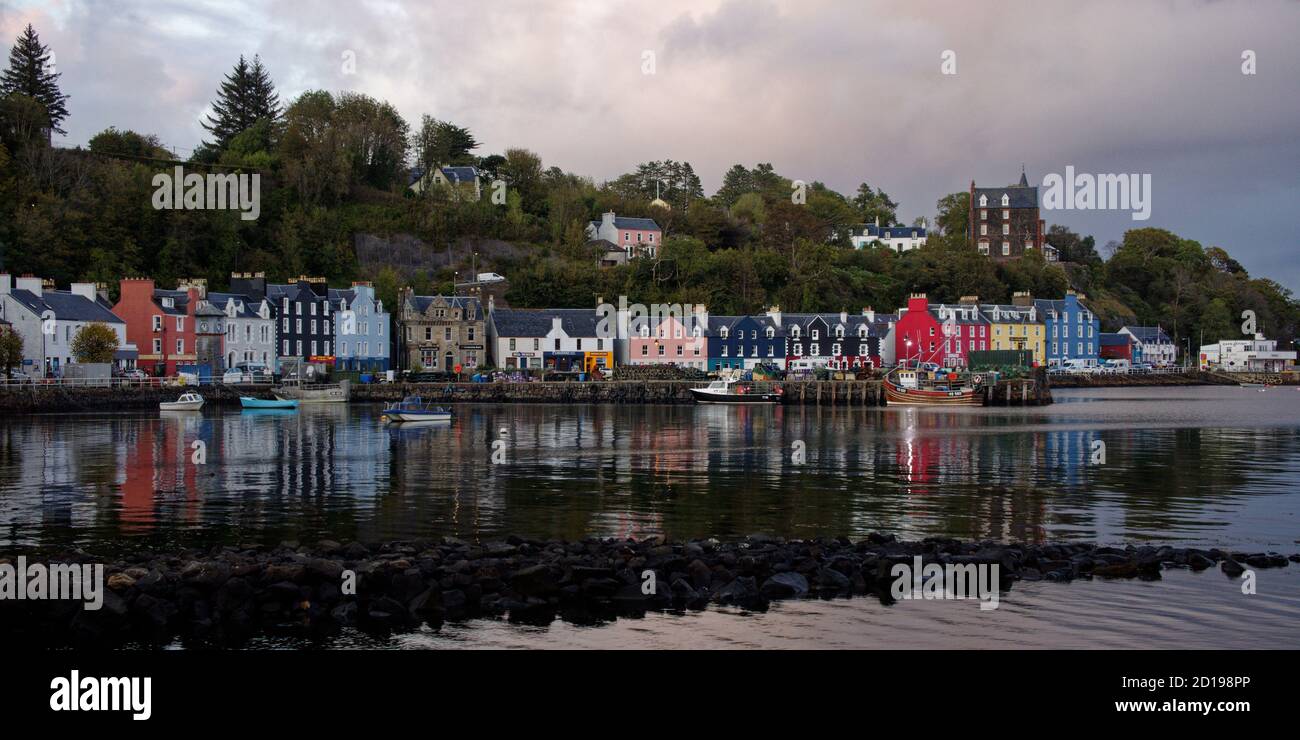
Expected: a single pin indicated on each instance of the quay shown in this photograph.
(55, 398)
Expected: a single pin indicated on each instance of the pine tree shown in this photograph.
(30, 73)
(246, 96)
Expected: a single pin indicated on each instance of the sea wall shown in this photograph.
(38, 398)
(1137, 380)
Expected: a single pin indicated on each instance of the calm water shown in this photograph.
(1204, 466)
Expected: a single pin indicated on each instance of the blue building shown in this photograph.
(362, 329)
(741, 342)
(1073, 332)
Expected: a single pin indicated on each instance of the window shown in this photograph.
(1006, 214)
(679, 350)
(157, 323)
(661, 350)
(157, 346)
(722, 332)
(299, 325)
(286, 306)
(815, 334)
(180, 346)
(446, 334)
(512, 345)
(180, 323)
(984, 214)
(557, 344)
(285, 350)
(814, 349)
(313, 325)
(469, 336)
(1006, 229)
(1006, 248)
(724, 350)
(313, 345)
(313, 308)
(298, 346)
(984, 229)
(1006, 199)
(343, 348)
(984, 200)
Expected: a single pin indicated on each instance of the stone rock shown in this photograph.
(785, 586)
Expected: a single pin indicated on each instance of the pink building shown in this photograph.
(639, 237)
(669, 341)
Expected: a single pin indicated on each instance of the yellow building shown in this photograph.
(1017, 326)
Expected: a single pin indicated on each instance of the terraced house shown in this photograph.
(1017, 326)
(305, 328)
(361, 329)
(48, 320)
(563, 339)
(1073, 332)
(741, 342)
(840, 341)
(438, 333)
(250, 329)
(161, 324)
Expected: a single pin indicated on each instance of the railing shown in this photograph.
(150, 382)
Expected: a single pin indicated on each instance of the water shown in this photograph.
(1204, 466)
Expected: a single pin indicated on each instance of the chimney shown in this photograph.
(6, 283)
(198, 284)
(844, 317)
(556, 324)
(775, 314)
(870, 314)
(85, 290)
(607, 219)
(1022, 298)
(969, 300)
(30, 283)
(918, 302)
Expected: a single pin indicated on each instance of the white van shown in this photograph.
(1079, 366)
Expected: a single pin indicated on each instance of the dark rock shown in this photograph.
(785, 586)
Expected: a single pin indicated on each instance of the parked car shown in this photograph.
(134, 373)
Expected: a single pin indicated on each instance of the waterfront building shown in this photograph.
(965, 328)
(918, 336)
(1073, 331)
(48, 320)
(161, 323)
(1004, 222)
(1258, 355)
(209, 339)
(305, 323)
(565, 339)
(1118, 346)
(362, 330)
(1156, 346)
(637, 237)
(1017, 326)
(840, 341)
(250, 329)
(668, 340)
(436, 333)
(742, 342)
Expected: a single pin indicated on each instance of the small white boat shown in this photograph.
(415, 409)
(187, 402)
(732, 391)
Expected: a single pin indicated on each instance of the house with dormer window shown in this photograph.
(437, 333)
(361, 329)
(1004, 222)
(637, 237)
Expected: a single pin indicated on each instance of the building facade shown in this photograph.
(743, 342)
(48, 320)
(1017, 326)
(1004, 222)
(438, 333)
(897, 238)
(638, 237)
(161, 324)
(1073, 331)
(1246, 355)
(1154, 345)
(563, 339)
(305, 323)
(362, 329)
(250, 330)
(668, 340)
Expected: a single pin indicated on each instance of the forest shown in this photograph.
(335, 168)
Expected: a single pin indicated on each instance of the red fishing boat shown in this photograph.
(925, 388)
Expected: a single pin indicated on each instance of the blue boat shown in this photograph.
(414, 408)
(263, 403)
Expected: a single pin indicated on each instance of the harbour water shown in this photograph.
(1201, 466)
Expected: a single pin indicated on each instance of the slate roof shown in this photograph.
(1019, 314)
(246, 306)
(576, 322)
(627, 222)
(1045, 305)
(421, 303)
(180, 299)
(1148, 334)
(460, 174)
(1022, 195)
(965, 314)
(1114, 339)
(66, 305)
(904, 232)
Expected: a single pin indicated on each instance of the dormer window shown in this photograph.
(722, 332)
(770, 332)
(984, 200)
(169, 303)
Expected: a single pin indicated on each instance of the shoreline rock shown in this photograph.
(227, 595)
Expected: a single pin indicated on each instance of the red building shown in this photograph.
(1116, 346)
(918, 336)
(160, 323)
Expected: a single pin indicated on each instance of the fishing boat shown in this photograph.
(249, 402)
(414, 408)
(187, 402)
(730, 390)
(294, 390)
(906, 387)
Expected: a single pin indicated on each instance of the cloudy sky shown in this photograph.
(841, 91)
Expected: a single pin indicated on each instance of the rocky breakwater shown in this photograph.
(227, 595)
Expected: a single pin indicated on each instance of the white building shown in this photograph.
(897, 238)
(1258, 355)
(1154, 344)
(250, 329)
(48, 320)
(557, 338)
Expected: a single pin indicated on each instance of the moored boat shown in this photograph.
(313, 393)
(187, 402)
(414, 408)
(733, 391)
(249, 402)
(919, 388)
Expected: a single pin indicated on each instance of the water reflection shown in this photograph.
(1209, 466)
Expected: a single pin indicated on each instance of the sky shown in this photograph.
(837, 91)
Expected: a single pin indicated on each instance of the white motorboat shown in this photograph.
(733, 391)
(190, 401)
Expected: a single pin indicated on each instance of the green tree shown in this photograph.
(113, 141)
(30, 73)
(11, 350)
(94, 343)
(246, 96)
(875, 205)
(442, 143)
